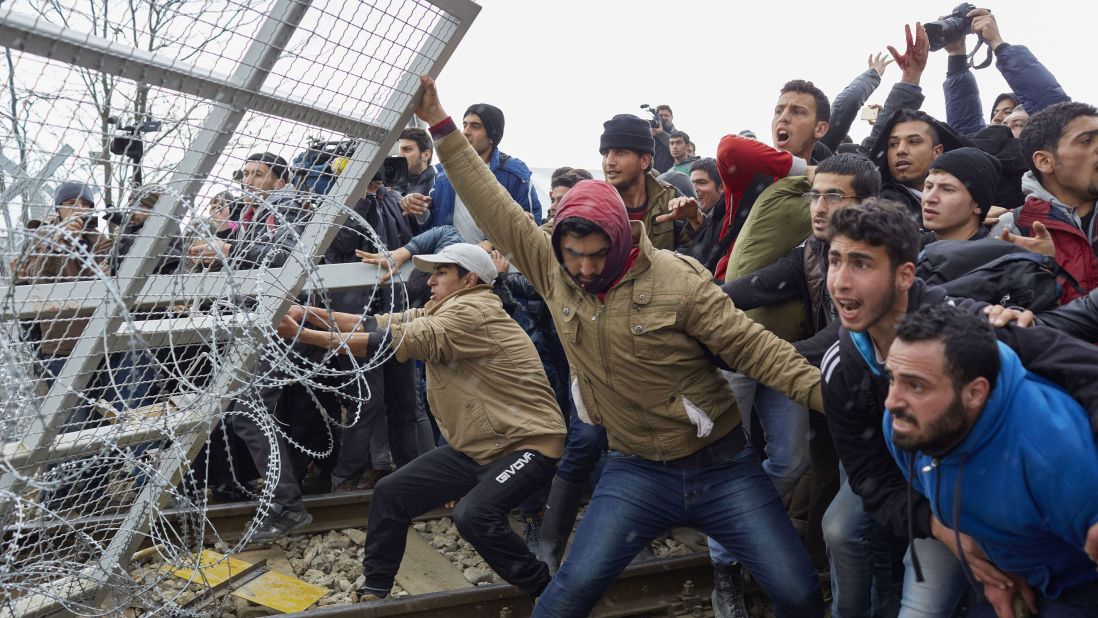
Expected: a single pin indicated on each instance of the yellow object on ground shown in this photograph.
(278, 591)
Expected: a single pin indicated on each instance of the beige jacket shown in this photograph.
(637, 360)
(485, 381)
(45, 260)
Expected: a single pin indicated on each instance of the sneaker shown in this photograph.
(370, 594)
(531, 531)
(278, 523)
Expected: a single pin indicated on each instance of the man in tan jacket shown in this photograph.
(489, 393)
(640, 326)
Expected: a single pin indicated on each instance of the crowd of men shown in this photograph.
(865, 371)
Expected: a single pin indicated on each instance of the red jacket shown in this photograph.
(739, 161)
(1074, 251)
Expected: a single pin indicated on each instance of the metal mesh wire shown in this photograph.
(138, 324)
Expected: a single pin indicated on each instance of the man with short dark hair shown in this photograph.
(793, 439)
(483, 126)
(958, 193)
(910, 140)
(680, 153)
(969, 425)
(748, 166)
(416, 147)
(560, 183)
(1060, 144)
(871, 278)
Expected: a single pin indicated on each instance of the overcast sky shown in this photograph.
(559, 69)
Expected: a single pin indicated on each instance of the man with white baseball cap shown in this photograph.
(489, 393)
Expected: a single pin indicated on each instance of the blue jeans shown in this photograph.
(582, 450)
(785, 425)
(944, 582)
(636, 500)
(861, 567)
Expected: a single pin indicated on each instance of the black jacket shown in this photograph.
(855, 391)
(878, 153)
(1079, 318)
(706, 246)
(382, 213)
(786, 279)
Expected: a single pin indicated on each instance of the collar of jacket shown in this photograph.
(476, 289)
(653, 188)
(1032, 188)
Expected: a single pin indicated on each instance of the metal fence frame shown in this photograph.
(231, 99)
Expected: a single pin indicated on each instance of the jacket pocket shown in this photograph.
(583, 397)
(650, 331)
(479, 418)
(568, 324)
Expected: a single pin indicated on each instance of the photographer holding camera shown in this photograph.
(1033, 85)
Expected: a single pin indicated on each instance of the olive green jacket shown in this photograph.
(778, 222)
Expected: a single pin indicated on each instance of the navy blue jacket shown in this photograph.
(1035, 87)
(1024, 481)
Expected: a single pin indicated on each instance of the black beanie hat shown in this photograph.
(628, 132)
(978, 170)
(492, 119)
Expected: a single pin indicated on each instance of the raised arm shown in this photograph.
(1034, 85)
(845, 107)
(502, 220)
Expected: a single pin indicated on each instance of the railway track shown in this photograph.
(674, 586)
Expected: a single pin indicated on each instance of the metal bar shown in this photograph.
(33, 35)
(24, 302)
(273, 36)
(89, 441)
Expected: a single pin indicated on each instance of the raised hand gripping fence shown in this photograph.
(131, 331)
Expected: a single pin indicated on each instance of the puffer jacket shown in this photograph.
(637, 358)
(45, 260)
(485, 382)
(1076, 248)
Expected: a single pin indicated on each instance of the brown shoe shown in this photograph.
(370, 479)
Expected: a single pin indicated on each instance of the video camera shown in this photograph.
(128, 141)
(655, 121)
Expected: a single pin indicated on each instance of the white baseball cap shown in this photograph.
(470, 257)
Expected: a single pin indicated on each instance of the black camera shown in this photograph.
(655, 121)
(953, 28)
(393, 170)
(128, 140)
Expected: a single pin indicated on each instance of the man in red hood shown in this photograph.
(637, 325)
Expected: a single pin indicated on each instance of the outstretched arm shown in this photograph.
(503, 221)
(844, 109)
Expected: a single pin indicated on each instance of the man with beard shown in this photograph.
(1060, 144)
(635, 323)
(1008, 457)
(871, 278)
